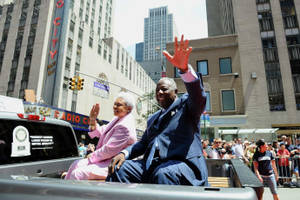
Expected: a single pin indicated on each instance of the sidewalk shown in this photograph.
(284, 194)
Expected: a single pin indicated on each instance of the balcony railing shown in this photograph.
(294, 52)
(290, 22)
(296, 82)
(270, 54)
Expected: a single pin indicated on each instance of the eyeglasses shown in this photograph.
(218, 142)
(119, 104)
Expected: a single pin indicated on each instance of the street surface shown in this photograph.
(284, 194)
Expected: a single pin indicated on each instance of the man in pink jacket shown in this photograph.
(113, 138)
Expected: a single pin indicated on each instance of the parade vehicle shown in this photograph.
(35, 151)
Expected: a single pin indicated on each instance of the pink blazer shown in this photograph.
(113, 138)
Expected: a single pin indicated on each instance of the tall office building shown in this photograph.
(139, 51)
(159, 29)
(44, 43)
(269, 49)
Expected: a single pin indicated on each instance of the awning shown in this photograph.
(288, 132)
(246, 131)
(228, 131)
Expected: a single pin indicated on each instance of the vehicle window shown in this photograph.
(46, 141)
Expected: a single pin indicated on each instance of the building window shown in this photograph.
(72, 25)
(72, 4)
(91, 42)
(130, 71)
(68, 63)
(70, 48)
(289, 16)
(64, 98)
(80, 35)
(74, 101)
(228, 100)
(105, 54)
(109, 58)
(77, 67)
(80, 13)
(208, 106)
(202, 67)
(78, 54)
(86, 18)
(176, 73)
(99, 49)
(225, 65)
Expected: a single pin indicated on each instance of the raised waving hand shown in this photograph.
(181, 55)
(93, 116)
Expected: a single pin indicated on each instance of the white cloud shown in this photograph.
(189, 15)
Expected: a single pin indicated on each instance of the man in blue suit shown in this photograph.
(171, 143)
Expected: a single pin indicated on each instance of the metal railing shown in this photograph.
(288, 170)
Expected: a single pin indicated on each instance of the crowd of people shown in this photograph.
(286, 152)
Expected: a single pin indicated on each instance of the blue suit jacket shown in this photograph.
(178, 132)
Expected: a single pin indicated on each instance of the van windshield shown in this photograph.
(27, 141)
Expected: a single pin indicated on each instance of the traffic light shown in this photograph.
(72, 83)
(80, 83)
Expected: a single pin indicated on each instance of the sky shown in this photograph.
(189, 16)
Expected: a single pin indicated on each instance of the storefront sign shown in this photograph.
(77, 120)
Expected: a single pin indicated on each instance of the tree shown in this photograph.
(150, 101)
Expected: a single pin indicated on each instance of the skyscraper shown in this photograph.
(159, 29)
(269, 48)
(139, 51)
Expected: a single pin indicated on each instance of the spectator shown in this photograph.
(82, 149)
(295, 154)
(298, 142)
(265, 168)
(238, 150)
(271, 149)
(228, 154)
(249, 152)
(275, 146)
(90, 148)
(283, 163)
(222, 153)
(283, 139)
(204, 148)
(289, 146)
(216, 148)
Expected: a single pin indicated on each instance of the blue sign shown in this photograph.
(101, 86)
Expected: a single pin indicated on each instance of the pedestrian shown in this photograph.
(265, 168)
(82, 149)
(238, 150)
(113, 138)
(296, 164)
(284, 165)
(171, 143)
(90, 148)
(215, 152)
(249, 152)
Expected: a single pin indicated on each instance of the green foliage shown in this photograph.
(149, 98)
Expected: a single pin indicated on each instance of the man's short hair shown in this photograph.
(281, 143)
(260, 142)
(173, 85)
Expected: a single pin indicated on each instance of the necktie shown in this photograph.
(151, 154)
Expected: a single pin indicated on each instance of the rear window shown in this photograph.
(27, 141)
